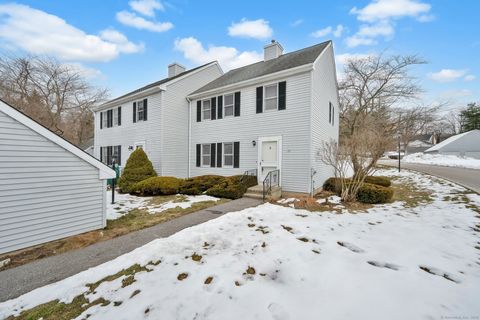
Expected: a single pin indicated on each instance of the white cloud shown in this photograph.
(455, 94)
(379, 16)
(86, 72)
(392, 9)
(367, 34)
(119, 39)
(447, 75)
(228, 57)
(337, 32)
(146, 7)
(257, 29)
(469, 77)
(132, 20)
(345, 57)
(296, 23)
(38, 32)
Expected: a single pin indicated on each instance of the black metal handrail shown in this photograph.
(272, 179)
(251, 172)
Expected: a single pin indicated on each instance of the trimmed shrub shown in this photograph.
(137, 168)
(378, 180)
(333, 185)
(232, 187)
(200, 184)
(371, 193)
(157, 186)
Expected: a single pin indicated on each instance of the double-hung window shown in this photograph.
(140, 111)
(228, 105)
(104, 119)
(107, 154)
(271, 95)
(228, 154)
(206, 110)
(206, 155)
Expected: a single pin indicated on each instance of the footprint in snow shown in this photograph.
(438, 272)
(278, 312)
(384, 265)
(350, 246)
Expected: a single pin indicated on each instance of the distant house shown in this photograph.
(87, 146)
(272, 115)
(465, 144)
(422, 142)
(49, 188)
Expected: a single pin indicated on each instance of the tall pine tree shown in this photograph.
(470, 117)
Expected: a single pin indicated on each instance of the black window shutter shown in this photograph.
(109, 155)
(237, 104)
(282, 90)
(199, 156)
(134, 112)
(119, 155)
(119, 116)
(333, 115)
(199, 111)
(212, 155)
(101, 154)
(145, 112)
(236, 154)
(101, 122)
(259, 99)
(213, 106)
(219, 155)
(220, 107)
(329, 112)
(109, 118)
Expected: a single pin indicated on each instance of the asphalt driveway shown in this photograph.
(469, 178)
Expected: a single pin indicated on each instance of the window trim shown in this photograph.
(202, 164)
(209, 110)
(229, 154)
(265, 97)
(233, 104)
(104, 119)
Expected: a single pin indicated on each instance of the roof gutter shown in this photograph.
(116, 102)
(287, 72)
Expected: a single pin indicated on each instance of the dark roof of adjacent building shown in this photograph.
(158, 83)
(261, 68)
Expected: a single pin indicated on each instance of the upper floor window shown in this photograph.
(331, 113)
(140, 110)
(206, 109)
(111, 118)
(228, 104)
(271, 95)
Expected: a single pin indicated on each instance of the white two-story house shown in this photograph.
(155, 118)
(272, 115)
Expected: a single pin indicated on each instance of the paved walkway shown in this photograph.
(17, 281)
(469, 178)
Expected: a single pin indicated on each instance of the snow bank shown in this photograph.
(391, 262)
(443, 160)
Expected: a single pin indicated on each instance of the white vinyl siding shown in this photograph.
(293, 124)
(46, 192)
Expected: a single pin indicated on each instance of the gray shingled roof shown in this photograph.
(286, 61)
(157, 83)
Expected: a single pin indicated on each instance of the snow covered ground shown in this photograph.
(276, 262)
(443, 160)
(126, 202)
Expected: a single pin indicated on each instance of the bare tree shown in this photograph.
(55, 94)
(370, 87)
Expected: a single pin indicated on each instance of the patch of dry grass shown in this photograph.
(135, 220)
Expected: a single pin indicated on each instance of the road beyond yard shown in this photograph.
(469, 178)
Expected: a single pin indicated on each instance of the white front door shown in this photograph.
(269, 156)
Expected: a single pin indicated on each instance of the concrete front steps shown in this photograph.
(256, 192)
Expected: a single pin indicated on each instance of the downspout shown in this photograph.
(189, 134)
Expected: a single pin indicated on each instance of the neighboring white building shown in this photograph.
(49, 189)
(155, 118)
(465, 144)
(273, 114)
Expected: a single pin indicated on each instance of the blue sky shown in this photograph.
(122, 45)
